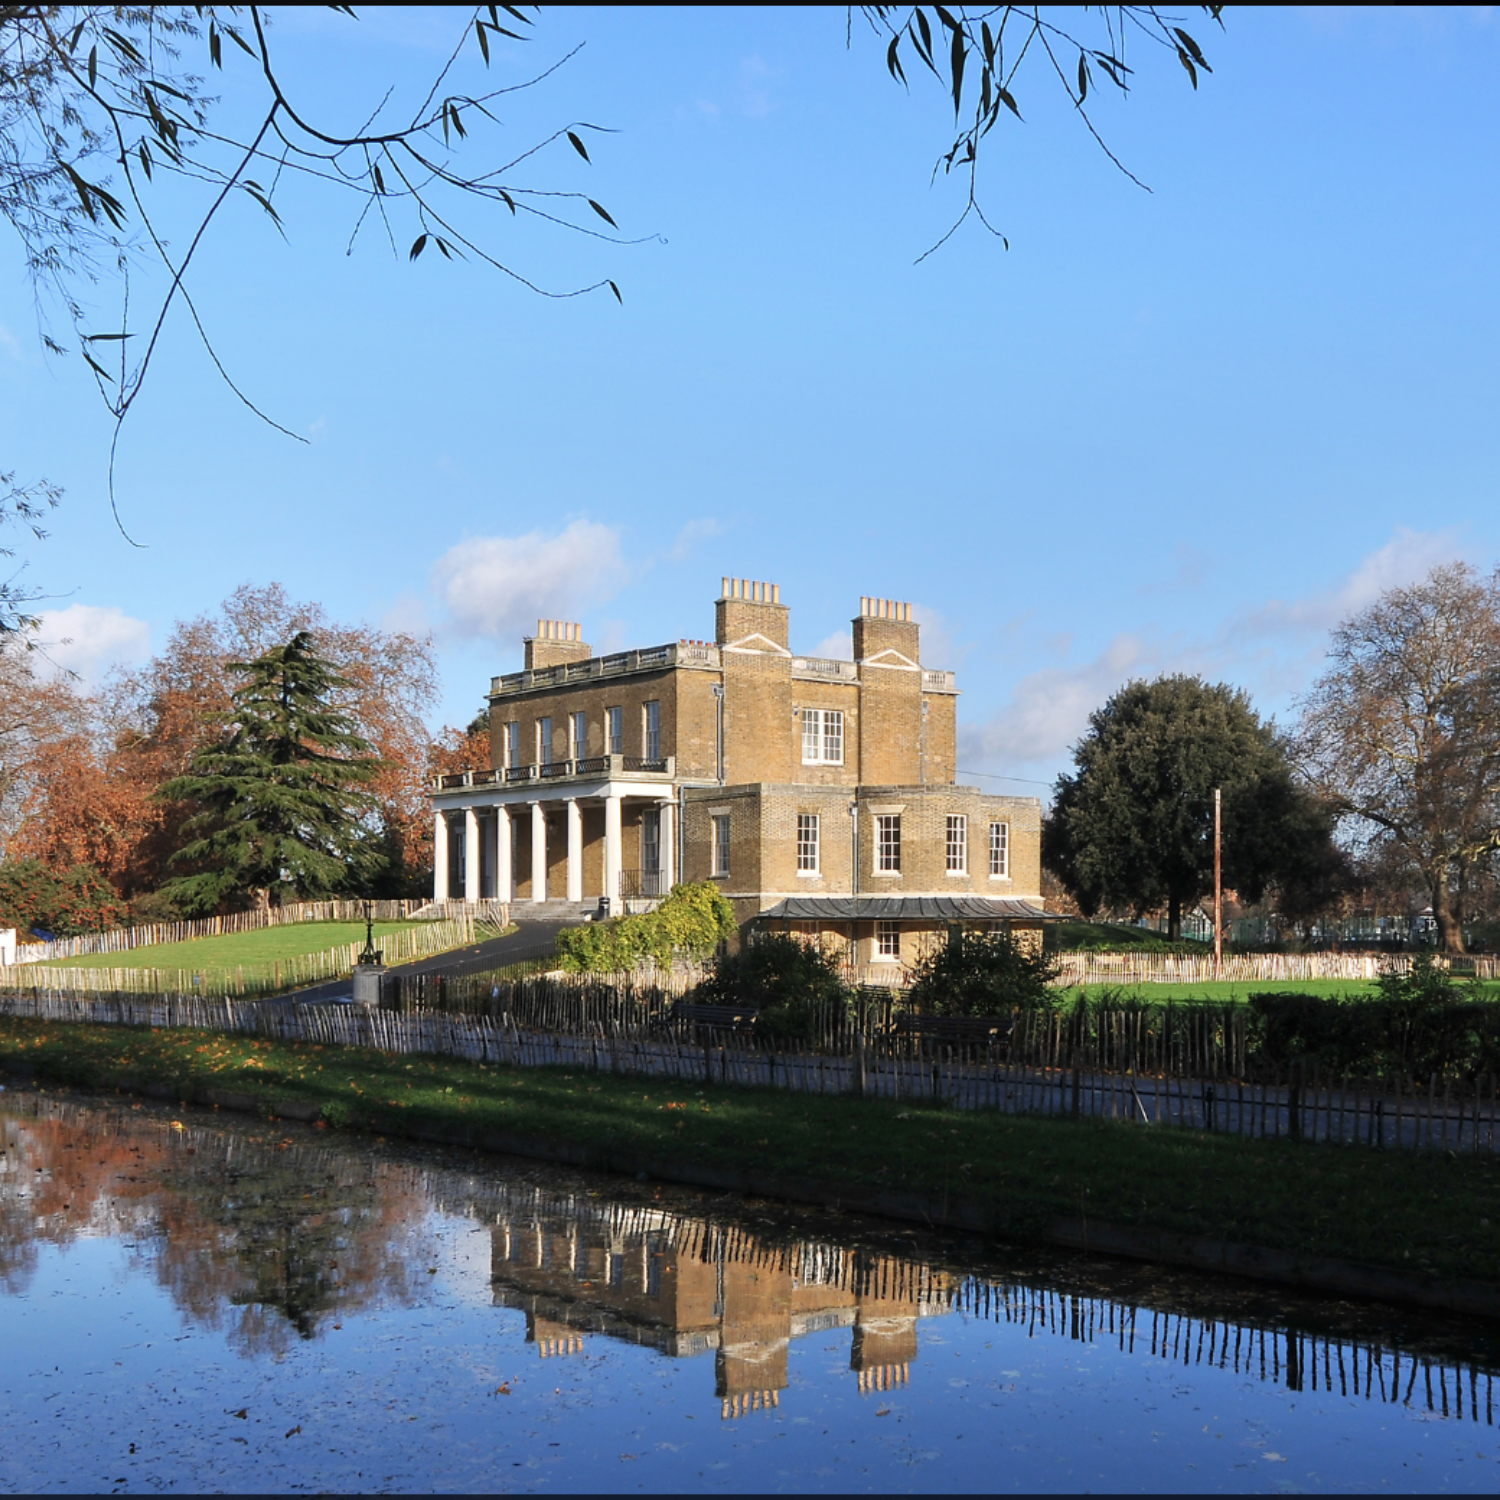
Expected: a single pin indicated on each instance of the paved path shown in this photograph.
(529, 940)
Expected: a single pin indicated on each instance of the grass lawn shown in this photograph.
(1400, 1209)
(1239, 991)
(257, 952)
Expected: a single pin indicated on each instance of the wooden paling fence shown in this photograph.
(1245, 968)
(122, 939)
(265, 979)
(1305, 1104)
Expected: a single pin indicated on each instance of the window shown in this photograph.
(651, 841)
(578, 736)
(888, 940)
(888, 843)
(544, 742)
(614, 724)
(807, 843)
(652, 750)
(958, 844)
(721, 844)
(1000, 849)
(822, 736)
(512, 744)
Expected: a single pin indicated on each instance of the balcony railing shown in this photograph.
(649, 659)
(638, 884)
(824, 666)
(593, 767)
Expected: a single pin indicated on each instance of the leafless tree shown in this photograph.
(1402, 733)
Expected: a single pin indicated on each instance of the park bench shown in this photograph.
(956, 1031)
(736, 1018)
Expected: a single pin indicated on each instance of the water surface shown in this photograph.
(190, 1301)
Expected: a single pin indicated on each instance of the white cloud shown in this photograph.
(836, 647)
(1050, 709)
(1272, 649)
(89, 639)
(691, 534)
(9, 343)
(1407, 557)
(498, 587)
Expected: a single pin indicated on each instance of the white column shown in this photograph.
(668, 812)
(440, 857)
(538, 852)
(471, 854)
(575, 850)
(504, 887)
(613, 848)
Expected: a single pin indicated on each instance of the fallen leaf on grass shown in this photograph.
(295, 1430)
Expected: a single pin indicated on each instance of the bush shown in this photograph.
(34, 898)
(690, 923)
(796, 986)
(983, 974)
(1418, 1022)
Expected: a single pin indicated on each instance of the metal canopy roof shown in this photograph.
(907, 909)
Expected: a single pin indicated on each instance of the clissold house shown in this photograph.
(820, 795)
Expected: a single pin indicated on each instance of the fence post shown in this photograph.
(1294, 1102)
(1076, 1105)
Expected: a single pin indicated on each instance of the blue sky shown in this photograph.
(1188, 429)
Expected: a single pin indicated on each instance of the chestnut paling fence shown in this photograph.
(1184, 1066)
(270, 977)
(123, 939)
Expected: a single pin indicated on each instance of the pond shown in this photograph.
(194, 1302)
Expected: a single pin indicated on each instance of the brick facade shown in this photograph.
(749, 730)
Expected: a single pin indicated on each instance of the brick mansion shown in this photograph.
(820, 795)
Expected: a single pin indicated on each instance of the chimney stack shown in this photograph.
(885, 625)
(555, 642)
(748, 607)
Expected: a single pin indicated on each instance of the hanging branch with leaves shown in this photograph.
(977, 57)
(97, 104)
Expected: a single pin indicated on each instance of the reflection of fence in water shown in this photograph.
(1300, 1361)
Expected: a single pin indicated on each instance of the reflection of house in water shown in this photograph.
(687, 1286)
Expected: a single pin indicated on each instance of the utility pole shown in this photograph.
(1218, 885)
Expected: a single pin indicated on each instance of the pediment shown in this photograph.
(756, 642)
(890, 657)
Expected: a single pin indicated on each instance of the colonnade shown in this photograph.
(508, 814)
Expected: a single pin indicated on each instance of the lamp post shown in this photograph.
(369, 967)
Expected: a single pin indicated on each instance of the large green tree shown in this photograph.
(282, 797)
(1132, 827)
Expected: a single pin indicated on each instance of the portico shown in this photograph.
(569, 830)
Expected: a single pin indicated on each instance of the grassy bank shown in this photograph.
(254, 952)
(1400, 1210)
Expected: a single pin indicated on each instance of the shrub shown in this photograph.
(78, 900)
(983, 974)
(690, 923)
(1418, 1022)
(796, 986)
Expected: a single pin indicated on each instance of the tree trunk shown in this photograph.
(1450, 927)
(1174, 919)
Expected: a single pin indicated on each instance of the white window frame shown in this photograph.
(721, 843)
(887, 946)
(544, 741)
(887, 843)
(614, 731)
(651, 730)
(651, 841)
(513, 743)
(809, 844)
(956, 845)
(999, 851)
(578, 735)
(822, 736)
